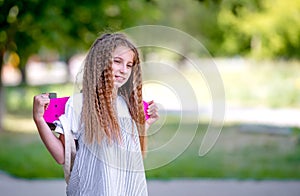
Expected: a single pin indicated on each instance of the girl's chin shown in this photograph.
(118, 85)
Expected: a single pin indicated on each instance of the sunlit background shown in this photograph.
(254, 44)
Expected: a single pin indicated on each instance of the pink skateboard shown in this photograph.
(56, 108)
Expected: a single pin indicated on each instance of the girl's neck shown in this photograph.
(115, 93)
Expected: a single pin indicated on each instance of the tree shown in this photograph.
(263, 29)
(27, 26)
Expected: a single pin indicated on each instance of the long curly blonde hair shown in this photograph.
(98, 114)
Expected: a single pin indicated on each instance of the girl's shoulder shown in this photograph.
(74, 103)
(74, 100)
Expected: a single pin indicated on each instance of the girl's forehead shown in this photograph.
(123, 51)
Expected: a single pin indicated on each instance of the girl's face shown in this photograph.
(122, 65)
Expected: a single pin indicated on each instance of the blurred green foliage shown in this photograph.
(267, 28)
(256, 28)
(260, 28)
(31, 26)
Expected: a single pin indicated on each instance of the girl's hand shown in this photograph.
(152, 111)
(40, 104)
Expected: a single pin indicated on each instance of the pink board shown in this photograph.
(56, 108)
(145, 109)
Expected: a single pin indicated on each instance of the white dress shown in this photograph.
(110, 168)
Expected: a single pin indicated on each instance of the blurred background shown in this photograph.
(254, 43)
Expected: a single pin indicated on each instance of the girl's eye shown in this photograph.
(129, 65)
(117, 61)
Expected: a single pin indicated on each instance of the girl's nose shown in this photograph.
(124, 68)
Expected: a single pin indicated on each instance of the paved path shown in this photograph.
(182, 187)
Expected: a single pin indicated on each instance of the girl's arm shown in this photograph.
(53, 144)
(152, 111)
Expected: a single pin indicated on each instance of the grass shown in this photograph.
(23, 155)
(236, 155)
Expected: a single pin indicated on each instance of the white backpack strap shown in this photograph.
(70, 148)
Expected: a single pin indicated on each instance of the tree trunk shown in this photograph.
(2, 105)
(23, 70)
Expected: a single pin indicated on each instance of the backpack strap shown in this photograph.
(70, 148)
